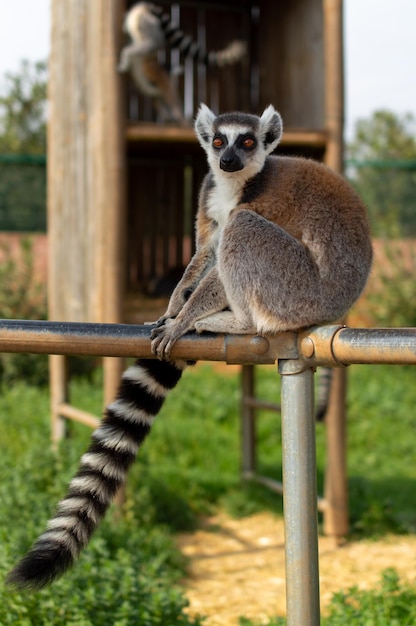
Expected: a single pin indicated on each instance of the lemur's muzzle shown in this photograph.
(230, 161)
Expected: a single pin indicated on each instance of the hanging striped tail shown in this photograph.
(176, 38)
(102, 471)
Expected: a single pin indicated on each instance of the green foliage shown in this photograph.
(392, 604)
(382, 160)
(385, 135)
(391, 300)
(126, 578)
(130, 573)
(381, 439)
(21, 297)
(22, 193)
(23, 110)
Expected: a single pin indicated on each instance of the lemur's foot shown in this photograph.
(224, 322)
(164, 338)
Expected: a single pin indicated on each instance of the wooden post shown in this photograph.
(334, 84)
(109, 151)
(86, 169)
(336, 493)
(59, 395)
(248, 422)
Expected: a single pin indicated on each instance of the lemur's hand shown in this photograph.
(165, 335)
(160, 322)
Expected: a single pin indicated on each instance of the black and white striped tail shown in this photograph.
(176, 38)
(103, 469)
(323, 391)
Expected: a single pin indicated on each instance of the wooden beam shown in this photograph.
(141, 133)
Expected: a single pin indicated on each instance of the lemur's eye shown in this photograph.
(248, 142)
(218, 142)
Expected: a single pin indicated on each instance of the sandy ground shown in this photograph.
(236, 567)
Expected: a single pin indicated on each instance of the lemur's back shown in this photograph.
(302, 192)
(317, 206)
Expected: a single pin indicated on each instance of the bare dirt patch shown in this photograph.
(236, 567)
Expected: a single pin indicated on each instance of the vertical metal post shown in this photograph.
(300, 494)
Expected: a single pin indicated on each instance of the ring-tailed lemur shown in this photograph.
(151, 30)
(282, 243)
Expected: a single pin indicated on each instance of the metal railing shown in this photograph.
(297, 355)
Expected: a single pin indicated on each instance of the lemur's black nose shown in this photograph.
(230, 161)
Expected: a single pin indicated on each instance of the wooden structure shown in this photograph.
(123, 187)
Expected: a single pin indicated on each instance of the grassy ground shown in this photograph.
(188, 467)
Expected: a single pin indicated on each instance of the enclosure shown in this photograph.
(122, 186)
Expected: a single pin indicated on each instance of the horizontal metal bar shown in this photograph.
(322, 345)
(130, 340)
(339, 345)
(376, 345)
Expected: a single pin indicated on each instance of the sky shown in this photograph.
(380, 50)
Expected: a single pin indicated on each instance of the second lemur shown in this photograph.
(151, 30)
(282, 243)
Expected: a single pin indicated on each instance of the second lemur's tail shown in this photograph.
(227, 56)
(176, 38)
(323, 391)
(102, 471)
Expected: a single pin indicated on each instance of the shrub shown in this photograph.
(21, 297)
(130, 573)
(393, 604)
(391, 299)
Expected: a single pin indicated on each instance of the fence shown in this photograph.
(297, 355)
(23, 193)
(387, 186)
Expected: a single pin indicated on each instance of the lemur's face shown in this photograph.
(238, 143)
(233, 147)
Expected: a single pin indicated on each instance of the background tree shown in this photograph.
(23, 110)
(382, 166)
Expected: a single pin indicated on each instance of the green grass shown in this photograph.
(189, 466)
(129, 575)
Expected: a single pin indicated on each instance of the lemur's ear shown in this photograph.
(271, 128)
(203, 125)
